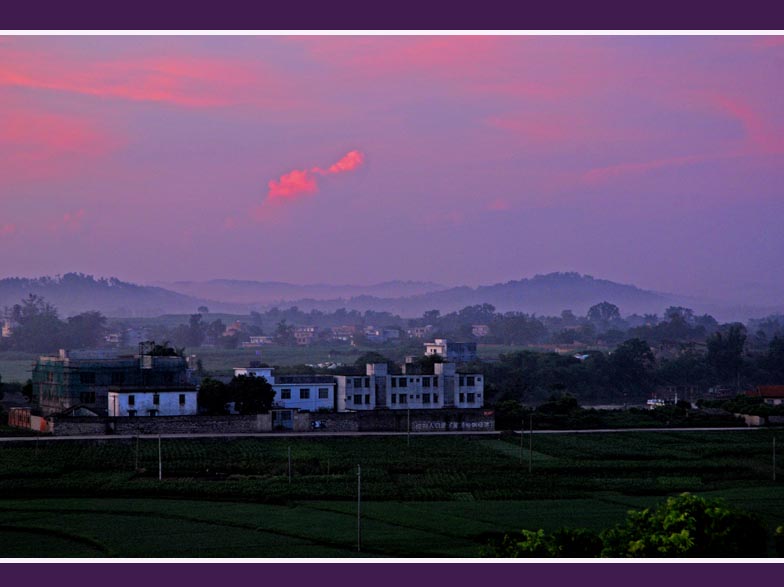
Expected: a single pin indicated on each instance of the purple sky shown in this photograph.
(657, 161)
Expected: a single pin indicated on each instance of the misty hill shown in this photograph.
(75, 292)
(542, 294)
(273, 292)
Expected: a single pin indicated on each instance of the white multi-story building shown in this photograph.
(307, 393)
(146, 402)
(377, 389)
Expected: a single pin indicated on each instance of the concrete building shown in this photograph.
(378, 389)
(419, 331)
(480, 330)
(459, 352)
(307, 393)
(144, 401)
(305, 335)
(84, 378)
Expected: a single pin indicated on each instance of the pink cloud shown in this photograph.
(7, 230)
(611, 172)
(36, 144)
(172, 79)
(350, 161)
(293, 184)
(760, 135)
(304, 181)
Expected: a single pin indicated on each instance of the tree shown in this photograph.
(633, 366)
(603, 314)
(203, 310)
(251, 395)
(214, 397)
(725, 352)
(85, 330)
(689, 526)
(284, 333)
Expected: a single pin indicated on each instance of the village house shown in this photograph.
(459, 352)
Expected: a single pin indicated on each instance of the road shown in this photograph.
(14, 439)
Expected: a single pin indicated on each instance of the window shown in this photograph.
(403, 382)
(304, 393)
(435, 398)
(478, 379)
(394, 382)
(182, 399)
(367, 381)
(285, 394)
(425, 381)
(323, 393)
(471, 397)
(87, 378)
(152, 412)
(131, 413)
(462, 381)
(462, 398)
(403, 398)
(470, 381)
(118, 378)
(435, 381)
(367, 398)
(417, 396)
(131, 400)
(87, 397)
(394, 397)
(358, 399)
(156, 399)
(358, 382)
(425, 398)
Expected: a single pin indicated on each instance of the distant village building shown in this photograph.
(234, 328)
(772, 395)
(257, 341)
(381, 335)
(305, 335)
(419, 331)
(85, 379)
(143, 401)
(459, 352)
(8, 328)
(344, 333)
(480, 330)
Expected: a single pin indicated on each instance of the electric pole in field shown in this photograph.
(289, 464)
(359, 507)
(522, 433)
(160, 460)
(408, 426)
(531, 443)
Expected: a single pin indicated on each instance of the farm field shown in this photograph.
(438, 497)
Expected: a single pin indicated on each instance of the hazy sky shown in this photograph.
(652, 160)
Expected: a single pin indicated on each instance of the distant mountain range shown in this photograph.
(543, 295)
(274, 292)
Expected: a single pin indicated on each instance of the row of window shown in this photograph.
(403, 398)
(304, 393)
(156, 399)
(469, 397)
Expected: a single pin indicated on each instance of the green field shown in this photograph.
(440, 496)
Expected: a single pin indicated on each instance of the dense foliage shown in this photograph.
(683, 526)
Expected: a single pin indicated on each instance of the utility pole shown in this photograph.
(408, 425)
(522, 431)
(530, 443)
(359, 507)
(160, 460)
(136, 456)
(289, 464)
